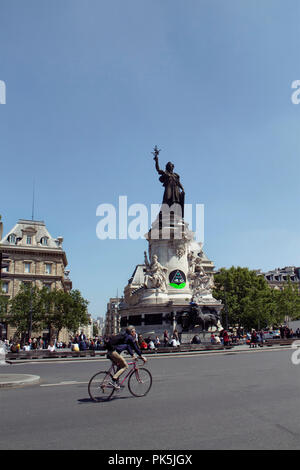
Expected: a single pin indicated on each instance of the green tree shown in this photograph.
(3, 307)
(78, 313)
(64, 310)
(34, 309)
(288, 302)
(246, 297)
(55, 305)
(26, 310)
(257, 308)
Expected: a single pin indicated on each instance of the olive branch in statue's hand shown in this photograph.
(155, 152)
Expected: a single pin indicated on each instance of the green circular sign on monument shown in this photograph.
(177, 279)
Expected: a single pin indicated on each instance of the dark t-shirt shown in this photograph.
(129, 345)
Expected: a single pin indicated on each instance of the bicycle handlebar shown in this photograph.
(135, 359)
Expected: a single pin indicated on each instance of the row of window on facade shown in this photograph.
(281, 278)
(5, 285)
(27, 268)
(13, 240)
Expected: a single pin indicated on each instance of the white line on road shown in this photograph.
(176, 355)
(71, 382)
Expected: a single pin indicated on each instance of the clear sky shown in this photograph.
(93, 85)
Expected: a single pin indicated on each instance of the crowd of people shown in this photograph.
(152, 343)
(286, 332)
(16, 345)
(256, 338)
(77, 343)
(80, 342)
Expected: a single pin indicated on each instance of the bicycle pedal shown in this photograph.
(121, 386)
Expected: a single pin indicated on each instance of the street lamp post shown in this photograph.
(3, 264)
(30, 315)
(226, 311)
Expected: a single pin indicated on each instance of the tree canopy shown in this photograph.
(250, 302)
(51, 309)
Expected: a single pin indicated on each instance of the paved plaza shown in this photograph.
(246, 400)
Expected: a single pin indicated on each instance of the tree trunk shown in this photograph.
(50, 334)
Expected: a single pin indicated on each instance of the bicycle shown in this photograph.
(139, 382)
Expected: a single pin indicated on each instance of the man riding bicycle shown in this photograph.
(128, 344)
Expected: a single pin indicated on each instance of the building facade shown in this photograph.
(112, 318)
(100, 324)
(34, 257)
(278, 278)
(87, 329)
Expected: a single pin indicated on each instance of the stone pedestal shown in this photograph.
(169, 241)
(176, 273)
(205, 336)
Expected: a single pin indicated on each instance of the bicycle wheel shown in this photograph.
(99, 388)
(140, 382)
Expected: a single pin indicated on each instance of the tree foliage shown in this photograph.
(288, 302)
(51, 309)
(250, 302)
(27, 303)
(3, 306)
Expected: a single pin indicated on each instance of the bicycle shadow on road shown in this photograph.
(89, 400)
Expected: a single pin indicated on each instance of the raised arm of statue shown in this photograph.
(156, 153)
(159, 171)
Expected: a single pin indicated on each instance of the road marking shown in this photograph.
(70, 382)
(176, 355)
(220, 353)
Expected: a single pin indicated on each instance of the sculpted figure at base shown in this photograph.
(155, 277)
(195, 261)
(205, 320)
(208, 320)
(202, 283)
(180, 246)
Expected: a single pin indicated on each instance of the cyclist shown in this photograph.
(128, 344)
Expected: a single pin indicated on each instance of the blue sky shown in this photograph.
(93, 85)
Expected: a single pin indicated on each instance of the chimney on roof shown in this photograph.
(60, 240)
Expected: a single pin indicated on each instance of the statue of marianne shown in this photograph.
(174, 192)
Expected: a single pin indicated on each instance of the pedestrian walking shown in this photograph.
(166, 338)
(253, 341)
(262, 336)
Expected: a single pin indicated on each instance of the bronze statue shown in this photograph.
(174, 191)
(205, 320)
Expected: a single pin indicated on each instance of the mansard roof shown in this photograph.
(41, 238)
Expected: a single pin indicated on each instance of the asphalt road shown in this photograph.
(249, 400)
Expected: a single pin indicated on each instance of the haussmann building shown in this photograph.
(35, 257)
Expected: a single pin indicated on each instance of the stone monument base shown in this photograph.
(205, 336)
(172, 290)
